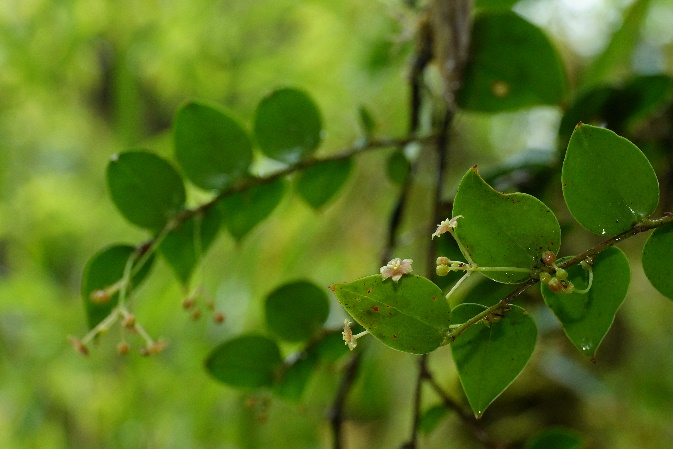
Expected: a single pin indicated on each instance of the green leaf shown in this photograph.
(318, 184)
(502, 74)
(411, 315)
(657, 260)
(295, 311)
(296, 376)
(487, 292)
(488, 359)
(244, 210)
(212, 148)
(103, 272)
(398, 168)
(184, 246)
(145, 188)
(288, 126)
(587, 317)
(503, 230)
(246, 361)
(617, 58)
(494, 4)
(608, 183)
(367, 122)
(556, 438)
(431, 418)
(330, 347)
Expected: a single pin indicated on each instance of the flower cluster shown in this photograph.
(446, 226)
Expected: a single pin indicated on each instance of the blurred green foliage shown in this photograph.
(81, 80)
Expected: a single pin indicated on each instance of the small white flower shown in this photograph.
(396, 268)
(348, 335)
(446, 226)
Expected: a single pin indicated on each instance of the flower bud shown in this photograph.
(549, 258)
(561, 274)
(555, 285)
(442, 270)
(443, 260)
(545, 277)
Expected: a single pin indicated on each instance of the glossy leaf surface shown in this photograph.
(104, 271)
(318, 184)
(657, 260)
(242, 211)
(488, 359)
(608, 183)
(503, 230)
(501, 75)
(295, 311)
(184, 246)
(212, 148)
(245, 361)
(587, 317)
(288, 126)
(145, 188)
(411, 315)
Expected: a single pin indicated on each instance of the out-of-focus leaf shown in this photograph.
(184, 246)
(318, 184)
(502, 74)
(411, 315)
(608, 183)
(103, 273)
(246, 361)
(295, 311)
(489, 358)
(398, 167)
(657, 260)
(367, 122)
(615, 61)
(587, 317)
(431, 418)
(288, 126)
(145, 188)
(503, 230)
(296, 376)
(556, 438)
(212, 148)
(242, 211)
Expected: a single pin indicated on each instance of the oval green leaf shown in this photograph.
(248, 361)
(242, 211)
(103, 272)
(657, 260)
(145, 188)
(295, 311)
(587, 317)
(556, 438)
(184, 246)
(212, 148)
(501, 74)
(398, 168)
(318, 184)
(288, 126)
(488, 359)
(411, 315)
(431, 418)
(503, 230)
(608, 183)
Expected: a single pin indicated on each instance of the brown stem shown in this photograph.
(336, 412)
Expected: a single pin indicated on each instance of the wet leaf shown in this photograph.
(608, 183)
(587, 317)
(489, 358)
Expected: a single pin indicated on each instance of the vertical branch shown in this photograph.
(336, 412)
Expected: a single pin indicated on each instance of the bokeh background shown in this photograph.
(83, 79)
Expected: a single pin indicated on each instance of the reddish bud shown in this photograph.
(188, 303)
(549, 258)
(123, 348)
(129, 322)
(79, 346)
(196, 314)
(555, 285)
(99, 296)
(218, 317)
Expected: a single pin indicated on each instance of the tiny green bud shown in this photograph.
(545, 277)
(586, 265)
(548, 258)
(442, 270)
(443, 260)
(561, 274)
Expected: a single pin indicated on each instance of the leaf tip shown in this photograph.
(332, 287)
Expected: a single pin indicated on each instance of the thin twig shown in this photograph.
(336, 411)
